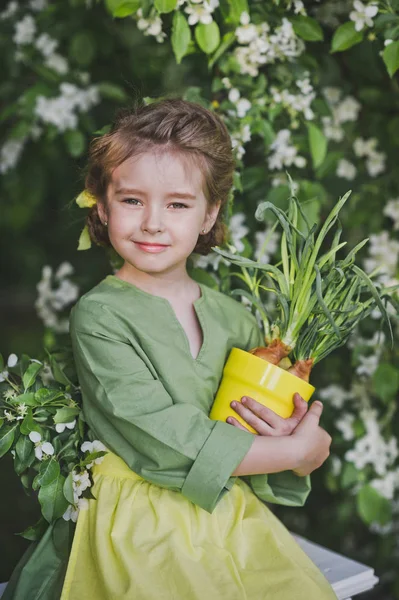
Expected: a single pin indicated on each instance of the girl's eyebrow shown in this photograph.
(182, 195)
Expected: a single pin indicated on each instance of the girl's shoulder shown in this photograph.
(96, 306)
(229, 307)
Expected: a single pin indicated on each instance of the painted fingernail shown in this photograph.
(233, 404)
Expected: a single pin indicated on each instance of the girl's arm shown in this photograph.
(268, 455)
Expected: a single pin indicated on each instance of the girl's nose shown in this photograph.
(153, 219)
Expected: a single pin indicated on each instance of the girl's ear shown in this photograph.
(212, 215)
(101, 212)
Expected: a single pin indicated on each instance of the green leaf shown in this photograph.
(52, 499)
(66, 415)
(46, 395)
(48, 472)
(23, 448)
(29, 424)
(68, 489)
(28, 399)
(122, 8)
(263, 128)
(34, 532)
(181, 35)
(345, 37)
(372, 507)
(1, 363)
(29, 377)
(75, 142)
(207, 36)
(58, 371)
(228, 39)
(113, 92)
(7, 434)
(84, 240)
(307, 28)
(165, 6)
(82, 48)
(349, 475)
(237, 7)
(318, 144)
(391, 57)
(386, 381)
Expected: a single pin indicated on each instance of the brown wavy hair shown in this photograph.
(172, 125)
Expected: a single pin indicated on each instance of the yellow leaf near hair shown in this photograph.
(84, 239)
(86, 200)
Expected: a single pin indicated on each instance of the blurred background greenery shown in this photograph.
(308, 87)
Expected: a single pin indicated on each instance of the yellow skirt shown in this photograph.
(138, 541)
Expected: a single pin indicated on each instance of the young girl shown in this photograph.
(180, 509)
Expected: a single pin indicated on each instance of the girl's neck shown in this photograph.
(174, 289)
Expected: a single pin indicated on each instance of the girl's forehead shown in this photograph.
(158, 170)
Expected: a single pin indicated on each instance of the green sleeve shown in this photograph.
(174, 445)
(277, 488)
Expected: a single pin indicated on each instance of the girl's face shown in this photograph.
(156, 198)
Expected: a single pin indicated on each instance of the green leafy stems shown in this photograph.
(42, 426)
(320, 299)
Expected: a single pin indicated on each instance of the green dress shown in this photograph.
(169, 521)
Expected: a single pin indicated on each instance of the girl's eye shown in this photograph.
(128, 200)
(132, 202)
(179, 205)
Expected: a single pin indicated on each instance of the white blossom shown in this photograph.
(362, 15)
(62, 110)
(242, 105)
(151, 26)
(391, 210)
(50, 301)
(368, 365)
(46, 44)
(335, 395)
(95, 446)
(346, 169)
(383, 254)
(72, 512)
(57, 63)
(80, 483)
(38, 5)
(10, 153)
(375, 163)
(9, 11)
(387, 485)
(261, 46)
(266, 244)
(347, 110)
(283, 153)
(296, 103)
(332, 94)
(364, 147)
(336, 465)
(238, 230)
(332, 130)
(12, 360)
(60, 427)
(372, 448)
(344, 424)
(24, 31)
(239, 137)
(42, 449)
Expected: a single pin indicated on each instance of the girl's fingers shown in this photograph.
(264, 413)
(233, 421)
(252, 419)
(300, 410)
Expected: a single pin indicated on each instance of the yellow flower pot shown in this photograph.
(247, 375)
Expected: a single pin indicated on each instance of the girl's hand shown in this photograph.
(264, 420)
